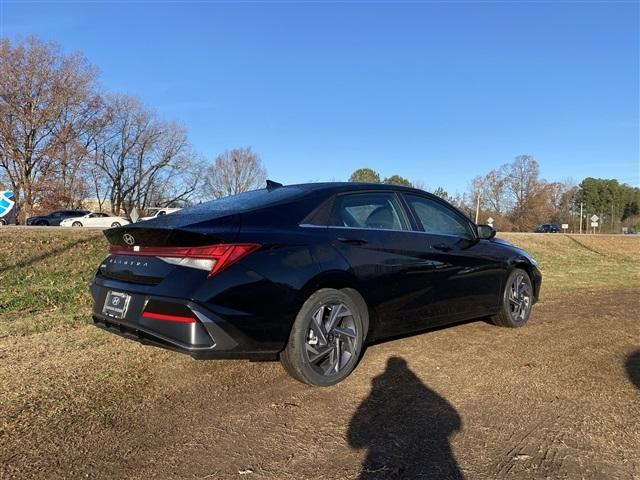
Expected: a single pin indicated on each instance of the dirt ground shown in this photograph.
(559, 398)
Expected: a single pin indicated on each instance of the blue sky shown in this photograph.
(434, 91)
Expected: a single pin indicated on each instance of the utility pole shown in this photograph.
(580, 217)
(477, 207)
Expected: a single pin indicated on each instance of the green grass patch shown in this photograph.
(44, 278)
(582, 262)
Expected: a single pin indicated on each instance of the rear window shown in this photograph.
(243, 202)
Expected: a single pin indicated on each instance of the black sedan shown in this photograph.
(308, 274)
(547, 228)
(54, 218)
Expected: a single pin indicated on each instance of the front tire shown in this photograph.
(517, 300)
(326, 339)
(76, 224)
(115, 224)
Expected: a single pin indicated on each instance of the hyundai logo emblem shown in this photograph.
(128, 239)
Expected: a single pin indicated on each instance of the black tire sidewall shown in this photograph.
(505, 298)
(298, 338)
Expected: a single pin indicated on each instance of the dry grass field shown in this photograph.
(559, 398)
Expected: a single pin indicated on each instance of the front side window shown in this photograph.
(439, 219)
(380, 211)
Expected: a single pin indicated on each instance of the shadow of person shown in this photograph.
(633, 368)
(405, 427)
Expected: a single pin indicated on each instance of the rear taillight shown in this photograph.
(212, 258)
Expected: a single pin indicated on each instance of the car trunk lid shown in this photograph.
(147, 252)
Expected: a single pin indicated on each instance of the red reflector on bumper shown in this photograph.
(168, 318)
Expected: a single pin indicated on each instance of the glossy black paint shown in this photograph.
(410, 280)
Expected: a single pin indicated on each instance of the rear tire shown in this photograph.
(76, 224)
(327, 337)
(115, 224)
(517, 300)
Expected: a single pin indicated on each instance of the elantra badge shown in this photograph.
(128, 239)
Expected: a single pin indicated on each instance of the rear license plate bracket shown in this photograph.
(116, 304)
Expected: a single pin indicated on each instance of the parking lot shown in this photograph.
(559, 398)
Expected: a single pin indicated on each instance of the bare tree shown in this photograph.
(79, 129)
(147, 162)
(41, 91)
(523, 184)
(494, 192)
(235, 171)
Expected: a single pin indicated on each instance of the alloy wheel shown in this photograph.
(331, 339)
(519, 298)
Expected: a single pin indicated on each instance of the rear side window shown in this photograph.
(439, 219)
(380, 211)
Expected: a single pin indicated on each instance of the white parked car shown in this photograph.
(159, 212)
(95, 219)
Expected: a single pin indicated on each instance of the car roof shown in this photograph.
(339, 187)
(331, 188)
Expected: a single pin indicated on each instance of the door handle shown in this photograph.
(443, 247)
(352, 241)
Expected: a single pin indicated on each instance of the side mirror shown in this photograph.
(486, 232)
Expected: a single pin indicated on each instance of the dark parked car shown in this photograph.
(547, 228)
(54, 218)
(308, 274)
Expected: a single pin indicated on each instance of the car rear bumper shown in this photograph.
(207, 336)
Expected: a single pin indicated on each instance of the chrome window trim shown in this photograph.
(422, 232)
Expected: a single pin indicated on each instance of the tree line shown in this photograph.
(517, 199)
(63, 140)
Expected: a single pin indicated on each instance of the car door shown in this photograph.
(469, 272)
(360, 225)
(372, 230)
